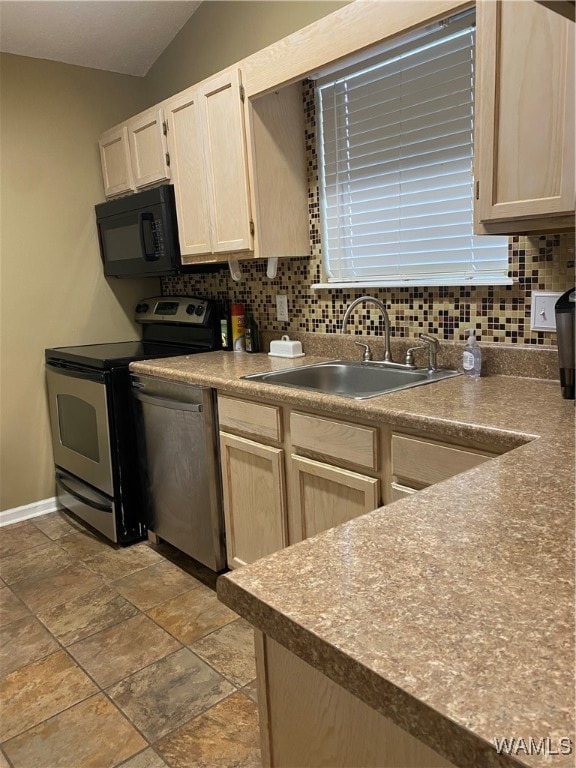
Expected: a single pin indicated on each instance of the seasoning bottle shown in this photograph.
(252, 335)
(225, 331)
(472, 356)
(238, 327)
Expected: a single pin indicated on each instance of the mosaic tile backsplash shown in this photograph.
(499, 313)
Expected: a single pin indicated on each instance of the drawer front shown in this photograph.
(426, 463)
(401, 491)
(251, 418)
(336, 439)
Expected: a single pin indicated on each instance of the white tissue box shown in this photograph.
(285, 347)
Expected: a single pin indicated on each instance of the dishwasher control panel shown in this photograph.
(183, 310)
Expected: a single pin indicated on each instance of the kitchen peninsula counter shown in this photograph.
(450, 612)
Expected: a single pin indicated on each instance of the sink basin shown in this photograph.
(357, 380)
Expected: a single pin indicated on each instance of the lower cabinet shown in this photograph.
(308, 720)
(326, 496)
(254, 499)
(288, 475)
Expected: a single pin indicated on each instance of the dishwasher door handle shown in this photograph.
(161, 402)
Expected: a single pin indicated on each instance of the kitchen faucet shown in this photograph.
(432, 345)
(383, 310)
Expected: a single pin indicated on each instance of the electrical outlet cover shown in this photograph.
(282, 307)
(543, 314)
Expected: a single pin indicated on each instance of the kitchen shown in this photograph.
(109, 319)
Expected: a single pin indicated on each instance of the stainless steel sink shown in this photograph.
(358, 380)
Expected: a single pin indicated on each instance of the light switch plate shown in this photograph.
(543, 314)
(282, 307)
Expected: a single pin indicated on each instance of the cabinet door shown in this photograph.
(254, 499)
(326, 496)
(225, 148)
(188, 173)
(524, 134)
(148, 148)
(115, 159)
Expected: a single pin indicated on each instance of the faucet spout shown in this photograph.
(381, 306)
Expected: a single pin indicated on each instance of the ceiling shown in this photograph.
(124, 36)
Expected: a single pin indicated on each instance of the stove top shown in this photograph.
(116, 354)
(171, 326)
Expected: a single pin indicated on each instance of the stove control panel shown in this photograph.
(183, 310)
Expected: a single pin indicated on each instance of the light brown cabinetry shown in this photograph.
(146, 134)
(326, 496)
(115, 158)
(238, 168)
(254, 499)
(253, 479)
(133, 154)
(524, 124)
(418, 463)
(288, 474)
(306, 719)
(207, 147)
(327, 488)
(284, 485)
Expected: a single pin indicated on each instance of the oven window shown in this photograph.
(78, 426)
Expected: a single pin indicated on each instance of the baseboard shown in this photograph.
(37, 508)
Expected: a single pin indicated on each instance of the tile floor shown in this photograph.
(118, 656)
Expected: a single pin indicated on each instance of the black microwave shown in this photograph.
(138, 234)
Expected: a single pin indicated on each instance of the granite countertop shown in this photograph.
(452, 611)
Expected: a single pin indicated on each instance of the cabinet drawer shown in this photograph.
(336, 439)
(425, 463)
(252, 418)
(401, 491)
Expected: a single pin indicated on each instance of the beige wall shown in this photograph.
(221, 33)
(52, 289)
(53, 292)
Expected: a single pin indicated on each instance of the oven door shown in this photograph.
(79, 422)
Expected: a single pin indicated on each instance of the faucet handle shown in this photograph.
(427, 339)
(367, 356)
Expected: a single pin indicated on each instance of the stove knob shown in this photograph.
(140, 308)
(199, 309)
(190, 309)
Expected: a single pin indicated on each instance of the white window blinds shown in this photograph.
(395, 168)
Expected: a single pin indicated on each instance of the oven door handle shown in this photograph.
(84, 499)
(161, 402)
(77, 372)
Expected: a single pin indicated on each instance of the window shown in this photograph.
(395, 166)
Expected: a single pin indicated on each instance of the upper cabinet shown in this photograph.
(238, 167)
(207, 145)
(239, 171)
(134, 154)
(150, 162)
(115, 159)
(524, 128)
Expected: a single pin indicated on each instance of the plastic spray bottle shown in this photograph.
(472, 356)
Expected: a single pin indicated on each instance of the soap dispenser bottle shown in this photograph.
(472, 357)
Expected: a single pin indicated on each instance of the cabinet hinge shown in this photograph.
(251, 227)
(168, 159)
(242, 93)
(165, 128)
(477, 190)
